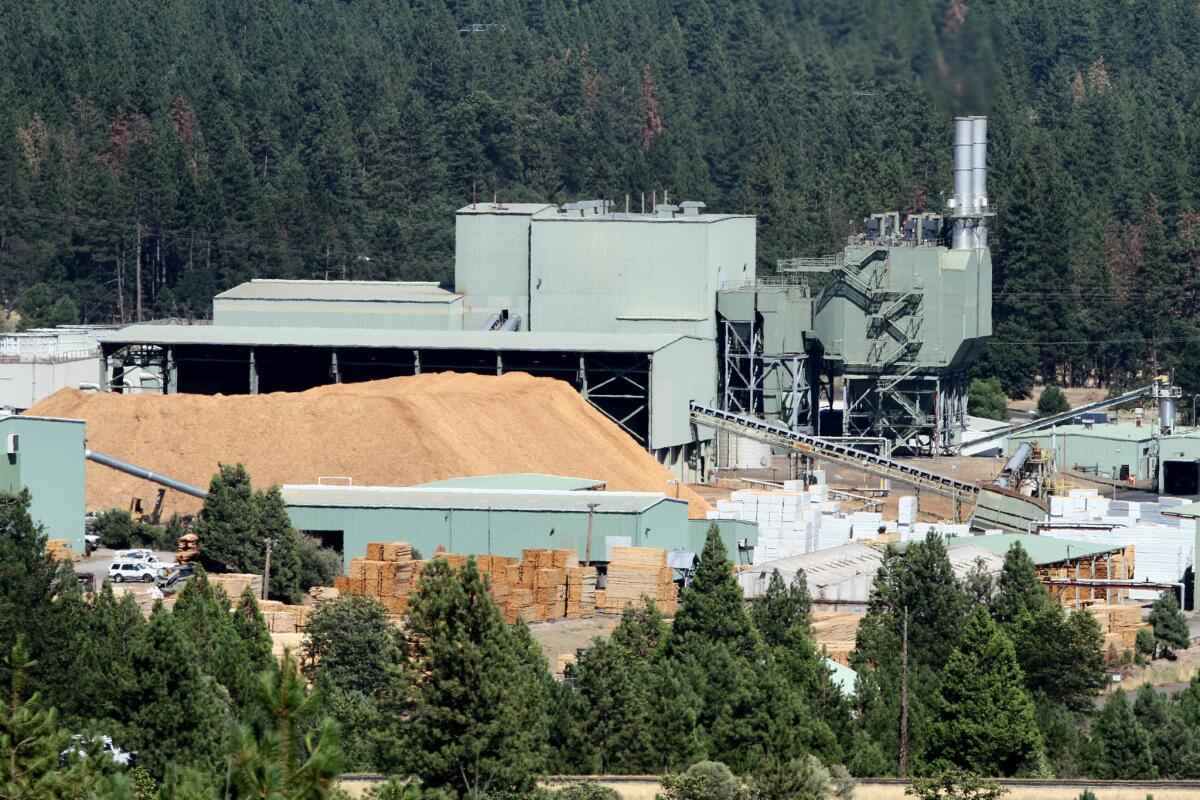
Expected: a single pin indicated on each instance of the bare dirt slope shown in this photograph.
(395, 432)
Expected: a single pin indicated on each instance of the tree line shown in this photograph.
(151, 157)
(994, 679)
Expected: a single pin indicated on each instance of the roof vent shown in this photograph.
(665, 210)
(692, 208)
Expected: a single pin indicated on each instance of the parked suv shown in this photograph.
(122, 571)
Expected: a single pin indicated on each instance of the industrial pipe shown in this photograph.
(979, 176)
(512, 323)
(963, 131)
(1013, 466)
(143, 473)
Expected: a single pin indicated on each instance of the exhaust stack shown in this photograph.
(970, 183)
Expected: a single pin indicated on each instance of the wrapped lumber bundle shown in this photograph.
(635, 573)
(320, 594)
(835, 633)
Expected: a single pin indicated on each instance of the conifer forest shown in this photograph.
(154, 154)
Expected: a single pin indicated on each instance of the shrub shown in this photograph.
(586, 791)
(319, 565)
(706, 780)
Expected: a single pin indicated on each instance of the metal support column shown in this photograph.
(416, 362)
(103, 372)
(171, 378)
(334, 373)
(253, 373)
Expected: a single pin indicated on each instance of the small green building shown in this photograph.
(488, 521)
(45, 456)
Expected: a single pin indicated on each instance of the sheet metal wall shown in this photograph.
(333, 314)
(495, 532)
(491, 265)
(49, 463)
(683, 370)
(1093, 450)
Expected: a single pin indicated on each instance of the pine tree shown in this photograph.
(711, 606)
(252, 630)
(278, 760)
(979, 584)
(471, 708)
(226, 525)
(204, 616)
(1176, 751)
(175, 714)
(360, 663)
(985, 721)
(1123, 750)
(641, 631)
(30, 739)
(612, 686)
(781, 607)
(1018, 588)
(273, 523)
(1170, 626)
(1061, 657)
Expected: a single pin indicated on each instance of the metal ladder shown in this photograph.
(882, 466)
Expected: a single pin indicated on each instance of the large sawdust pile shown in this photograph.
(395, 432)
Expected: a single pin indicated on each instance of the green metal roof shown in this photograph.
(1117, 431)
(843, 677)
(341, 291)
(359, 337)
(1186, 510)
(495, 499)
(516, 480)
(1042, 549)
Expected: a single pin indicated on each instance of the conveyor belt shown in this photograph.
(1046, 422)
(778, 436)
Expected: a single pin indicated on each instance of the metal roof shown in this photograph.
(516, 480)
(409, 339)
(341, 291)
(842, 676)
(1041, 549)
(495, 499)
(1186, 510)
(515, 209)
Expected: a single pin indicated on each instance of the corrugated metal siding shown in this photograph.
(49, 463)
(684, 370)
(319, 314)
(1091, 452)
(503, 533)
(491, 264)
(731, 531)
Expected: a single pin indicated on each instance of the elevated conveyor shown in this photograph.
(1047, 422)
(882, 466)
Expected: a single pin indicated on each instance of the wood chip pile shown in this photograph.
(635, 573)
(1119, 624)
(835, 631)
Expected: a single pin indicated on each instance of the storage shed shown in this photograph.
(487, 521)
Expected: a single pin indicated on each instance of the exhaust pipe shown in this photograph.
(979, 128)
(963, 131)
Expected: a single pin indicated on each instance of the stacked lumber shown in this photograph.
(188, 548)
(548, 584)
(235, 583)
(635, 573)
(1108, 567)
(1119, 624)
(322, 593)
(388, 573)
(834, 632)
(60, 550)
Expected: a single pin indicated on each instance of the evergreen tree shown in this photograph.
(781, 607)
(1170, 626)
(360, 663)
(175, 715)
(204, 616)
(226, 525)
(1052, 401)
(1122, 747)
(711, 606)
(986, 399)
(985, 722)
(1018, 588)
(1176, 751)
(615, 710)
(979, 585)
(1061, 656)
(641, 631)
(273, 523)
(277, 760)
(470, 712)
(252, 630)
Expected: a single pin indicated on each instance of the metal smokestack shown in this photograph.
(979, 176)
(963, 130)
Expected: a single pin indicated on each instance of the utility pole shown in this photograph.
(587, 555)
(267, 569)
(904, 698)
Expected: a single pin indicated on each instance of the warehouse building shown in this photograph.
(45, 456)
(489, 521)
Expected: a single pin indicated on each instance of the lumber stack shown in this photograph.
(235, 583)
(188, 548)
(1119, 624)
(635, 573)
(388, 573)
(60, 550)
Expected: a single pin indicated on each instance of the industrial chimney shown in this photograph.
(970, 183)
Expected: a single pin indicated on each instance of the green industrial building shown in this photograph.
(374, 305)
(45, 456)
(488, 521)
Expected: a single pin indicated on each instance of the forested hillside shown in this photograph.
(154, 153)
